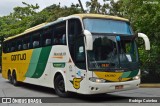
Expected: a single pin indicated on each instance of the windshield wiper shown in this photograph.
(111, 57)
(95, 62)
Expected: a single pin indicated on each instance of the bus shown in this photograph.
(81, 53)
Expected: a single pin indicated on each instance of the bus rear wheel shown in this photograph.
(14, 79)
(9, 77)
(59, 86)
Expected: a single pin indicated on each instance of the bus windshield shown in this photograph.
(107, 26)
(110, 54)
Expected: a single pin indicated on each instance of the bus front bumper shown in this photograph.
(97, 88)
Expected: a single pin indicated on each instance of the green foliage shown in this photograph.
(17, 21)
(22, 12)
(94, 6)
(145, 18)
(56, 11)
(26, 17)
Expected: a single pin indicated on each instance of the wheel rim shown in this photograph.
(60, 86)
(14, 78)
(9, 77)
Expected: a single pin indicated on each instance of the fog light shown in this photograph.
(98, 80)
(136, 77)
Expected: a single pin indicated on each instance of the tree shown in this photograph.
(56, 11)
(95, 7)
(144, 17)
(17, 21)
(26, 11)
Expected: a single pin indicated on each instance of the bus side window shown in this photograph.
(60, 34)
(19, 44)
(47, 37)
(48, 42)
(5, 47)
(19, 47)
(25, 46)
(8, 47)
(26, 43)
(36, 40)
(13, 47)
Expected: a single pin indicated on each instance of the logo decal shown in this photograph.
(59, 65)
(76, 82)
(110, 75)
(18, 57)
(79, 73)
(59, 55)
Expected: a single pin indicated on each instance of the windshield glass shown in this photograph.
(107, 26)
(104, 48)
(110, 53)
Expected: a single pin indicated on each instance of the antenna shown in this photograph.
(81, 6)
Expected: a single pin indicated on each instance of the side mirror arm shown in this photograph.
(146, 40)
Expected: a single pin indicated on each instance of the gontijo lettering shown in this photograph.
(18, 57)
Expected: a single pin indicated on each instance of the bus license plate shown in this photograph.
(119, 87)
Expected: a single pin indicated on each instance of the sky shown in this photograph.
(6, 6)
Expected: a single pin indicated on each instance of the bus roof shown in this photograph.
(43, 25)
(101, 16)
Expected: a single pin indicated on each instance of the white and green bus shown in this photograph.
(82, 53)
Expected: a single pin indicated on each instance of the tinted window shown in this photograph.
(19, 44)
(60, 34)
(47, 36)
(26, 43)
(76, 43)
(36, 40)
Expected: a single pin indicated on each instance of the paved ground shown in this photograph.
(27, 90)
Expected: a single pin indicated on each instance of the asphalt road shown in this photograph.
(118, 98)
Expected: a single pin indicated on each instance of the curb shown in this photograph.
(149, 85)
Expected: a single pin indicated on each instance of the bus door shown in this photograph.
(77, 53)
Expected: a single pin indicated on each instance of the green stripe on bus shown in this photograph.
(126, 74)
(133, 73)
(41, 65)
(33, 62)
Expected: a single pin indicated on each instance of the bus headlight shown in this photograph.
(97, 80)
(136, 77)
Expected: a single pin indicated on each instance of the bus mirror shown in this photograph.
(146, 40)
(89, 40)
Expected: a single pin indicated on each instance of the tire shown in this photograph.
(14, 79)
(9, 77)
(59, 86)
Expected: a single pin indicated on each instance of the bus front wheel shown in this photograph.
(59, 86)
